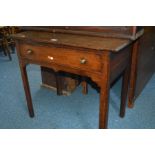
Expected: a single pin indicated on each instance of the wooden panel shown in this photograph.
(103, 31)
(119, 29)
(68, 83)
(61, 56)
(74, 41)
(119, 61)
(146, 61)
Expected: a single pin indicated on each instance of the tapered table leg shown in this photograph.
(133, 74)
(27, 90)
(104, 92)
(58, 84)
(103, 116)
(124, 90)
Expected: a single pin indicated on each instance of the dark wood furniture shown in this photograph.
(126, 32)
(102, 59)
(143, 63)
(4, 41)
(67, 81)
(68, 84)
(11, 30)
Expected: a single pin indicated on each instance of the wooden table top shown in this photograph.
(72, 40)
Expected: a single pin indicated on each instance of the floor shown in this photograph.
(69, 112)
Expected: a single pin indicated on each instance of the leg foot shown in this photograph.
(31, 114)
(130, 104)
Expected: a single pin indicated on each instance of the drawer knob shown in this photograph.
(83, 61)
(29, 51)
(51, 58)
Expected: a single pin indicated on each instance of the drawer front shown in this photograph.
(60, 56)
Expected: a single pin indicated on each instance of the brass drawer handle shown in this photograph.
(29, 52)
(51, 58)
(83, 61)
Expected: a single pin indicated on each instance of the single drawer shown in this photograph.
(68, 57)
